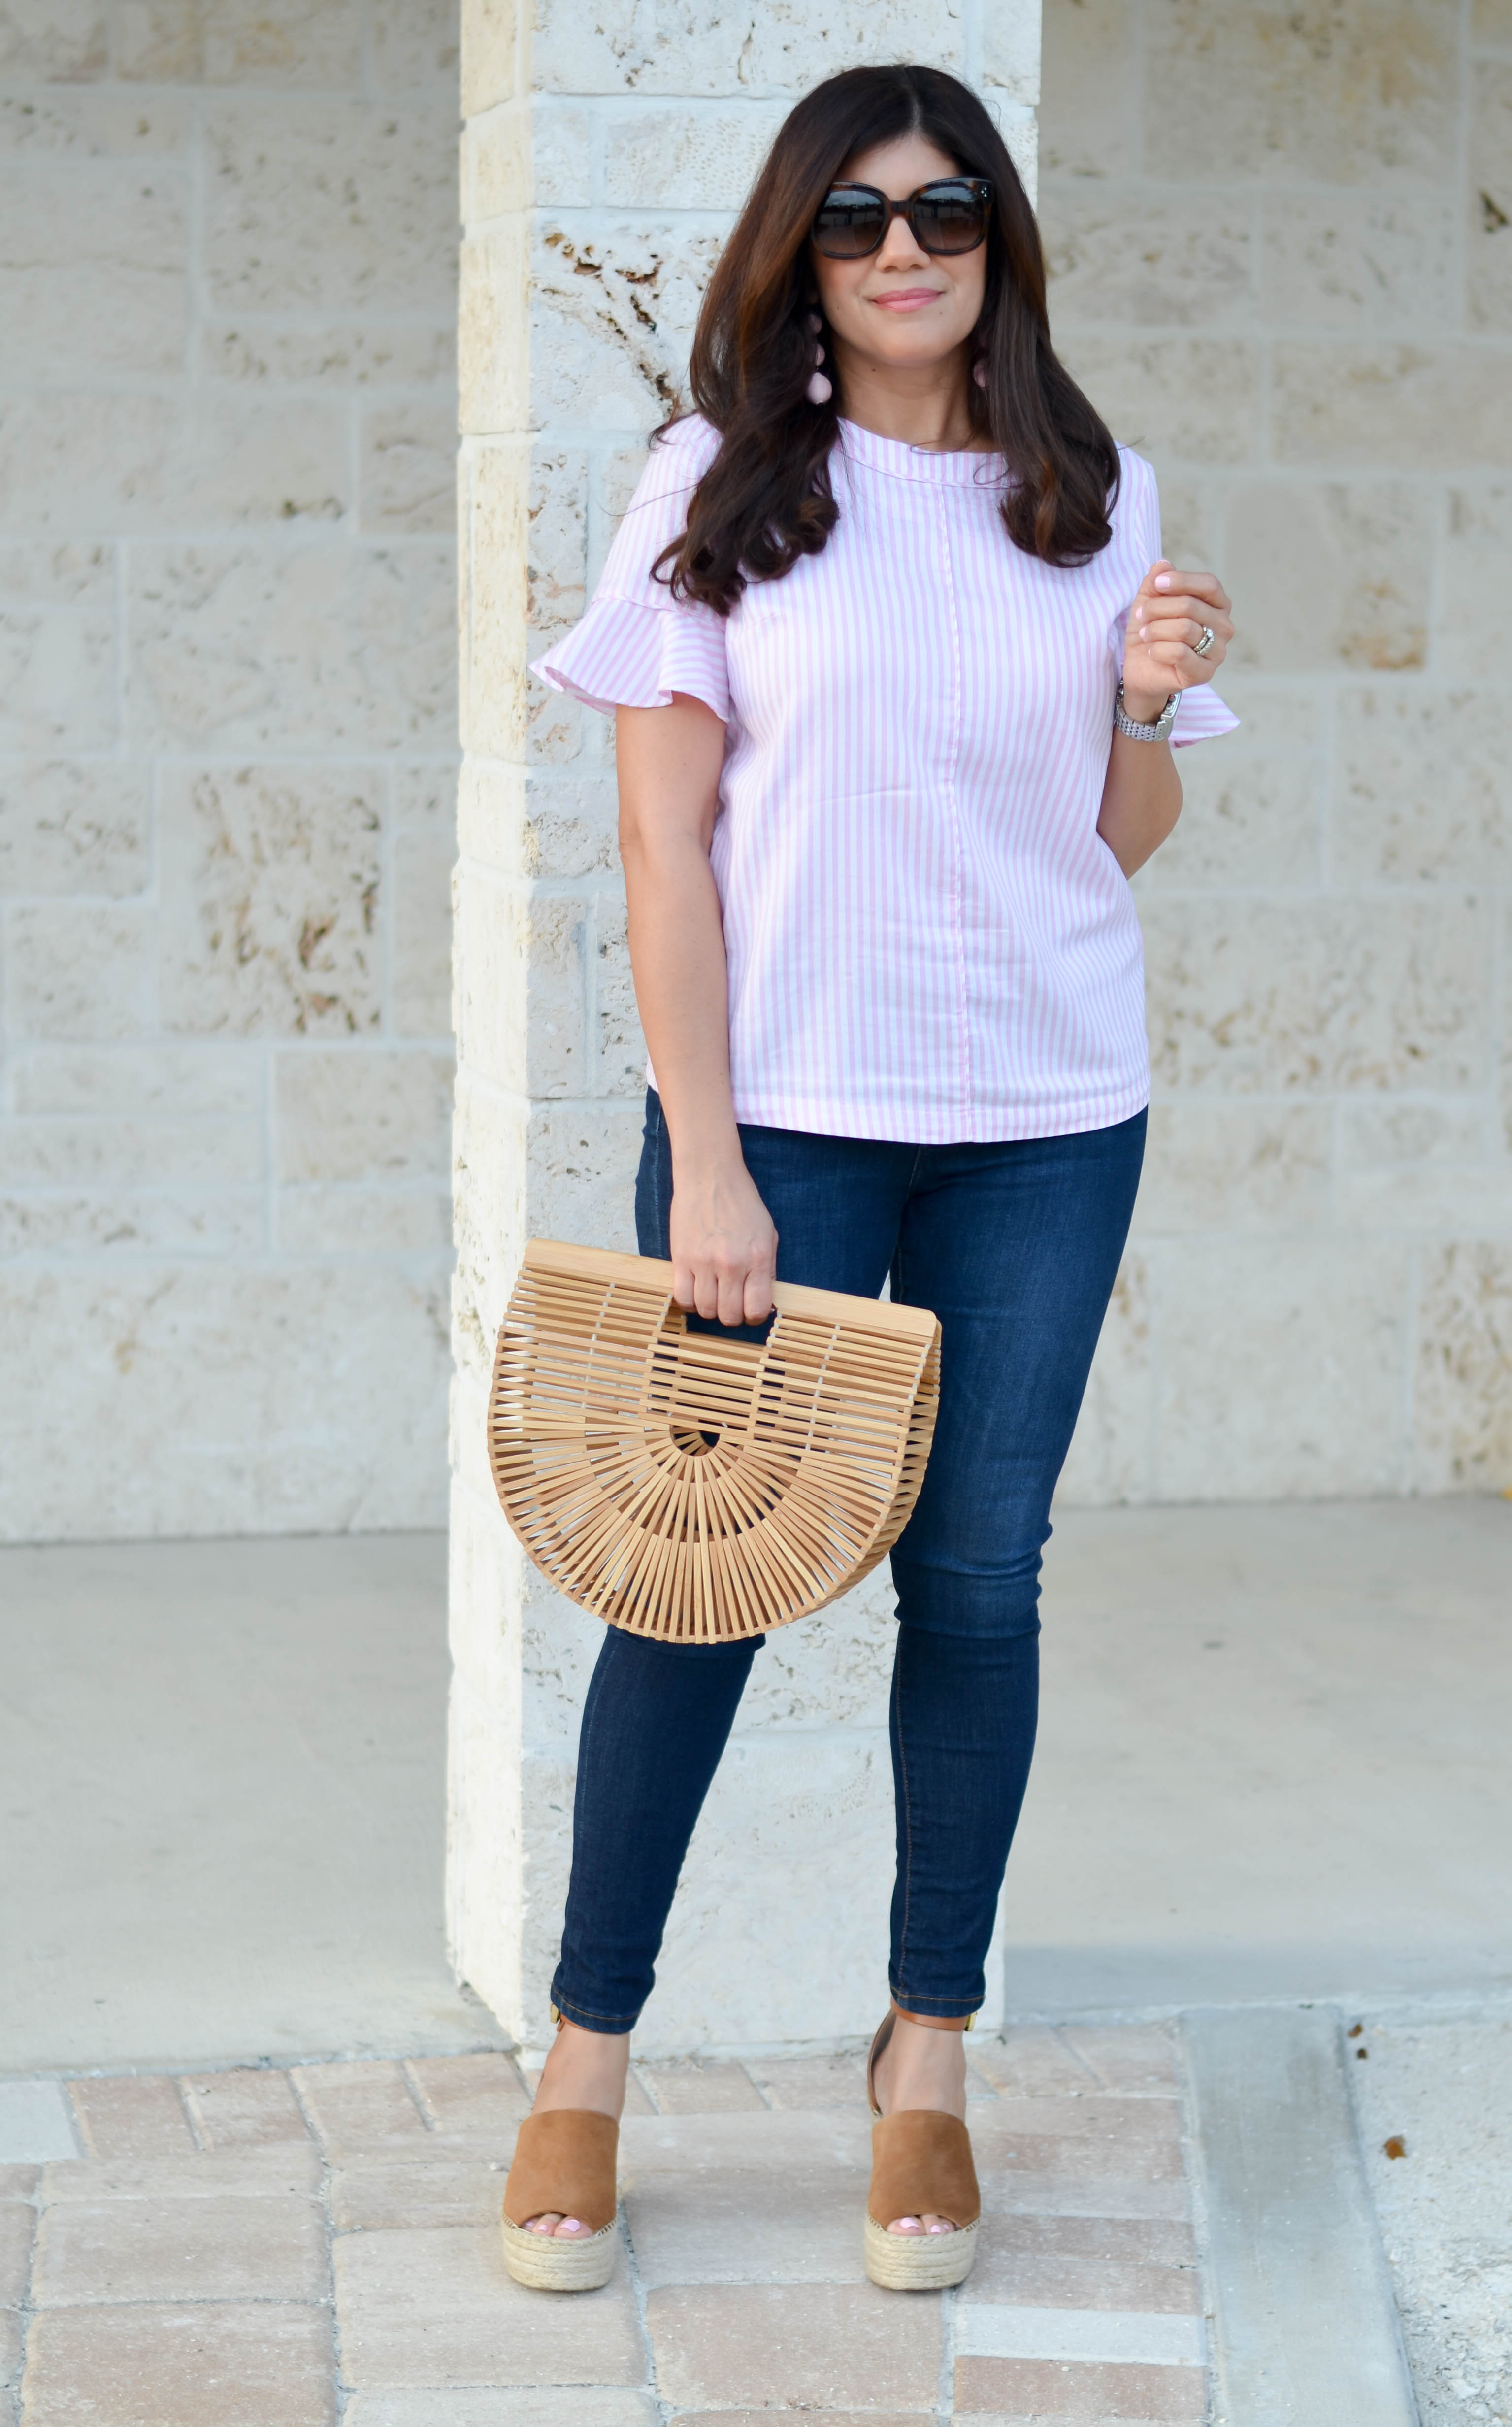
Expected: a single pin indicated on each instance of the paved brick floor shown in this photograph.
(271, 2249)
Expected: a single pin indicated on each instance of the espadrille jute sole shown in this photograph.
(547, 2263)
(918, 2262)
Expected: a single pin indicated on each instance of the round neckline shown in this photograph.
(907, 461)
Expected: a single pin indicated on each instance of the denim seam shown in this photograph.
(561, 2005)
(585, 1739)
(908, 1810)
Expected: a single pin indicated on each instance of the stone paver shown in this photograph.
(748, 2228)
(226, 2236)
(242, 2173)
(1087, 2263)
(1088, 2140)
(690, 2088)
(1129, 2061)
(260, 2364)
(1044, 2280)
(426, 2191)
(132, 2116)
(525, 2405)
(360, 2109)
(1035, 2063)
(432, 2305)
(1080, 2393)
(246, 2109)
(1015, 2158)
(35, 2122)
(795, 2346)
(689, 2146)
(993, 2330)
(811, 2081)
(1103, 2195)
(1149, 2125)
(16, 2225)
(473, 2095)
(811, 2418)
(271, 2249)
(1154, 2241)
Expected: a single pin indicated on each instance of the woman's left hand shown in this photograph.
(1165, 622)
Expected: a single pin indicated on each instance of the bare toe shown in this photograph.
(568, 2226)
(906, 2224)
(938, 2224)
(544, 2224)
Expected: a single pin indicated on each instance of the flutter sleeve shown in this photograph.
(637, 644)
(1202, 715)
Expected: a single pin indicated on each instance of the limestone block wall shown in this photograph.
(1281, 246)
(606, 149)
(227, 762)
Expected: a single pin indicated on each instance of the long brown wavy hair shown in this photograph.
(766, 500)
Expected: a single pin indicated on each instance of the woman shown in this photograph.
(880, 791)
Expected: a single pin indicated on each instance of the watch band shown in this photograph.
(1155, 732)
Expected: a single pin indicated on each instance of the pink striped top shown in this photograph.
(927, 937)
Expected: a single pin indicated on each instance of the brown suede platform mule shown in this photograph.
(920, 2165)
(563, 2163)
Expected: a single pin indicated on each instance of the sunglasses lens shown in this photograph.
(951, 217)
(849, 224)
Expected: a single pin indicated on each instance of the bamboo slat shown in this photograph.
(694, 1487)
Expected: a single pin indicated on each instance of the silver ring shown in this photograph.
(1200, 649)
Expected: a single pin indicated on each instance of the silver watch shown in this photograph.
(1155, 732)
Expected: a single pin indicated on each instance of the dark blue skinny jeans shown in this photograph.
(1016, 1247)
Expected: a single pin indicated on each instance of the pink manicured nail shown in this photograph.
(1163, 582)
(570, 2224)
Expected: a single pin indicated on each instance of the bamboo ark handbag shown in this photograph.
(692, 1487)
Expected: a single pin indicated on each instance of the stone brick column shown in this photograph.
(602, 163)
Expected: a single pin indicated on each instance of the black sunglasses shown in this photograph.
(949, 214)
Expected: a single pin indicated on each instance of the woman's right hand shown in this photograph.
(724, 1244)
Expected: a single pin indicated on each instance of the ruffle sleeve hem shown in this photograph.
(1201, 717)
(625, 654)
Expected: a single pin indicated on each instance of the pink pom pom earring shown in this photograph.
(818, 390)
(979, 371)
